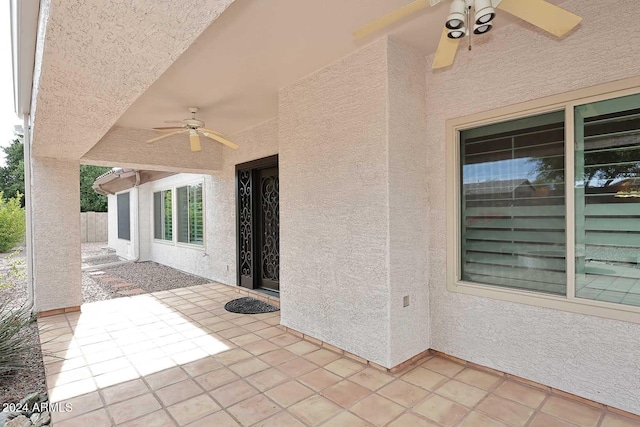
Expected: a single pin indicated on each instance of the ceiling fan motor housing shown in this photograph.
(193, 123)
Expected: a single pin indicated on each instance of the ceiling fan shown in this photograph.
(477, 16)
(194, 128)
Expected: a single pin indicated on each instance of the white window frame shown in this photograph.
(567, 102)
(173, 216)
(174, 202)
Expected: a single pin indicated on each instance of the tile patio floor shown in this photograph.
(177, 358)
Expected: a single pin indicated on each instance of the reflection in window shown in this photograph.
(513, 206)
(162, 215)
(608, 201)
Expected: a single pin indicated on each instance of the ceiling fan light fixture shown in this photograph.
(457, 34)
(484, 11)
(482, 28)
(457, 17)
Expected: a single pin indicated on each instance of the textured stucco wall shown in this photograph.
(589, 356)
(126, 147)
(334, 204)
(408, 236)
(216, 260)
(55, 189)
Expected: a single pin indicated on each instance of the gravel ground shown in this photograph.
(148, 276)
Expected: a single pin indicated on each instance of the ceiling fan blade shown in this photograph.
(169, 128)
(220, 139)
(215, 132)
(164, 136)
(446, 52)
(542, 14)
(390, 18)
(194, 140)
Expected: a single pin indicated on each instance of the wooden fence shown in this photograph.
(94, 226)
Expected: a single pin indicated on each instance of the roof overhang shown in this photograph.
(24, 31)
(120, 179)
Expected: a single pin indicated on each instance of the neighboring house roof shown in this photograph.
(120, 179)
(492, 187)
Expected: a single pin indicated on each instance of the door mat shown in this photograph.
(248, 305)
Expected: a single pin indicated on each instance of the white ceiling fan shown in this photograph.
(194, 128)
(477, 16)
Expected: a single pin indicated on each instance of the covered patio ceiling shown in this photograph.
(136, 67)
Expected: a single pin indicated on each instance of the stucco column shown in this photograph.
(55, 203)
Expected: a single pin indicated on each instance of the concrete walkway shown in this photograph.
(177, 358)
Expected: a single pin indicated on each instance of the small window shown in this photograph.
(190, 214)
(513, 228)
(124, 224)
(162, 215)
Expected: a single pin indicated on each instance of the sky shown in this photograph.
(8, 117)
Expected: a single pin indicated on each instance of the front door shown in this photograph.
(258, 224)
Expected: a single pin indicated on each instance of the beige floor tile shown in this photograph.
(461, 393)
(277, 357)
(441, 410)
(117, 377)
(201, 366)
(424, 378)
(154, 419)
(347, 419)
(254, 409)
(79, 405)
(322, 357)
(166, 377)
(284, 339)
(74, 389)
(302, 347)
(314, 410)
(233, 393)
(611, 420)
(269, 332)
(217, 378)
(443, 366)
(245, 339)
(403, 393)
(236, 331)
(289, 393)
(377, 410)
(260, 347)
(178, 392)
(574, 412)
(281, 419)
(133, 408)
(543, 420)
(344, 367)
(256, 326)
(296, 367)
(520, 393)
(218, 419)
(319, 379)
(69, 376)
(267, 379)
(345, 393)
(124, 391)
(249, 367)
(371, 378)
(411, 420)
(505, 410)
(97, 418)
(476, 419)
(233, 356)
(478, 378)
(193, 409)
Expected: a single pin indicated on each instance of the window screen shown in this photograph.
(124, 226)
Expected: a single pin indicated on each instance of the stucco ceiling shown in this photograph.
(234, 69)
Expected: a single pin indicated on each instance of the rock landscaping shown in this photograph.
(32, 411)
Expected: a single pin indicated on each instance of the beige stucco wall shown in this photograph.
(55, 187)
(589, 356)
(350, 195)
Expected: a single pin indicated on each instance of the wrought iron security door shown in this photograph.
(258, 224)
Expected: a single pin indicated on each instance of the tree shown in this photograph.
(12, 175)
(89, 199)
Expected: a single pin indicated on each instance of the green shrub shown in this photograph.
(13, 345)
(12, 222)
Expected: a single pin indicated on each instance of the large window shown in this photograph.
(190, 219)
(162, 215)
(124, 213)
(538, 215)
